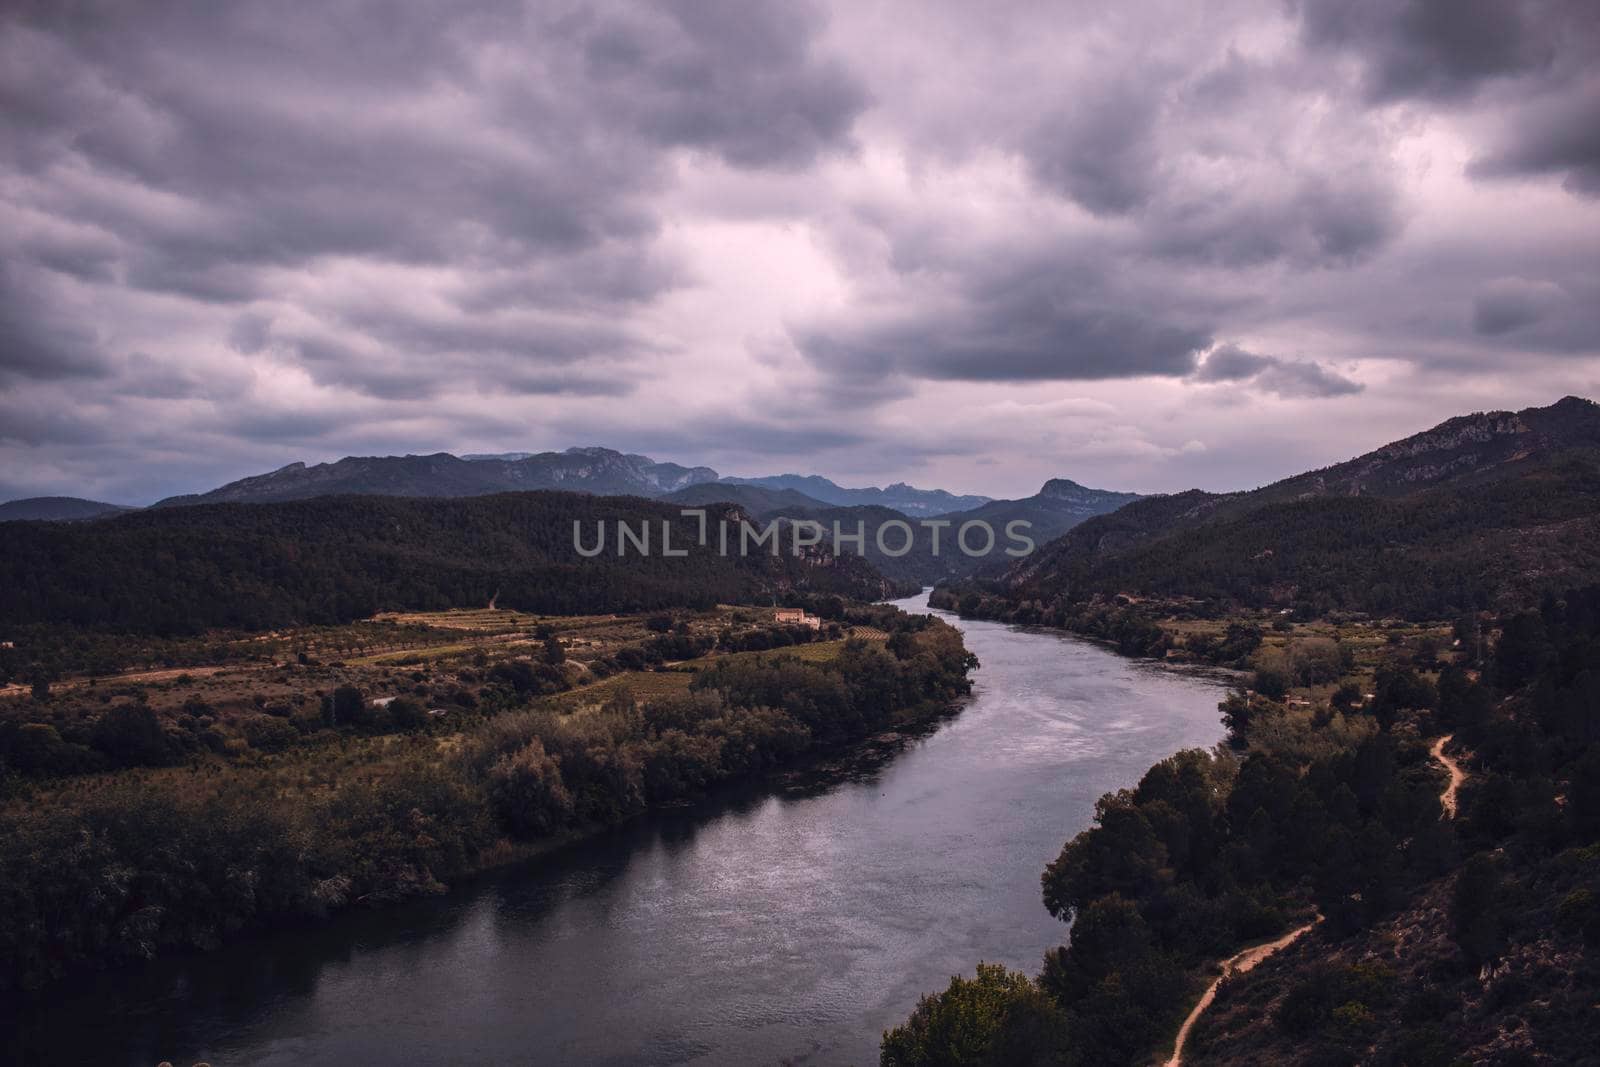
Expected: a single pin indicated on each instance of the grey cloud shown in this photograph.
(1304, 378)
(729, 433)
(270, 426)
(549, 384)
(1539, 314)
(250, 333)
(1100, 149)
(1558, 135)
(736, 78)
(26, 421)
(1272, 374)
(1307, 221)
(1509, 304)
(1230, 363)
(393, 354)
(1014, 329)
(146, 377)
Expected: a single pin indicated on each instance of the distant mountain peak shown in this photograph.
(1059, 487)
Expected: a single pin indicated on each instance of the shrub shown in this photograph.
(269, 734)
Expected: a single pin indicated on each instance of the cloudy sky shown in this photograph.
(1142, 245)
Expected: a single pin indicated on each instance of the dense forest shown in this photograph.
(1441, 941)
(189, 842)
(333, 559)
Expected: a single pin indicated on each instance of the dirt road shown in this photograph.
(1236, 964)
(1457, 776)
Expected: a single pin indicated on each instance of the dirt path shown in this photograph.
(1237, 964)
(164, 674)
(1457, 776)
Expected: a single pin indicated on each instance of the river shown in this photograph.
(777, 926)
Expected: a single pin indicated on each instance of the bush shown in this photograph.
(269, 734)
(130, 735)
(407, 714)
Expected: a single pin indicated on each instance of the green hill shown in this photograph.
(332, 559)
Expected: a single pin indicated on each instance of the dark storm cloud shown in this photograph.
(1031, 320)
(1432, 48)
(39, 341)
(1533, 60)
(233, 236)
(218, 146)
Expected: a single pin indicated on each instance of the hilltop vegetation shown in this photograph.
(335, 559)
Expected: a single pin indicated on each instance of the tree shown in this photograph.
(554, 654)
(1237, 714)
(1271, 684)
(131, 736)
(996, 1017)
(1475, 914)
(346, 707)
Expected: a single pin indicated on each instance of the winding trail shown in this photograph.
(1447, 799)
(1244, 961)
(1236, 964)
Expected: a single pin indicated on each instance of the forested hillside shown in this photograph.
(1435, 934)
(1483, 510)
(333, 559)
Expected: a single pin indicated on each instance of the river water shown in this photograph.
(783, 925)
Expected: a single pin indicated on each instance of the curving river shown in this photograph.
(788, 926)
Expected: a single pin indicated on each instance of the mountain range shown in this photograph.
(903, 498)
(599, 471)
(1056, 508)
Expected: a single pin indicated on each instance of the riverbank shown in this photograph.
(130, 866)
